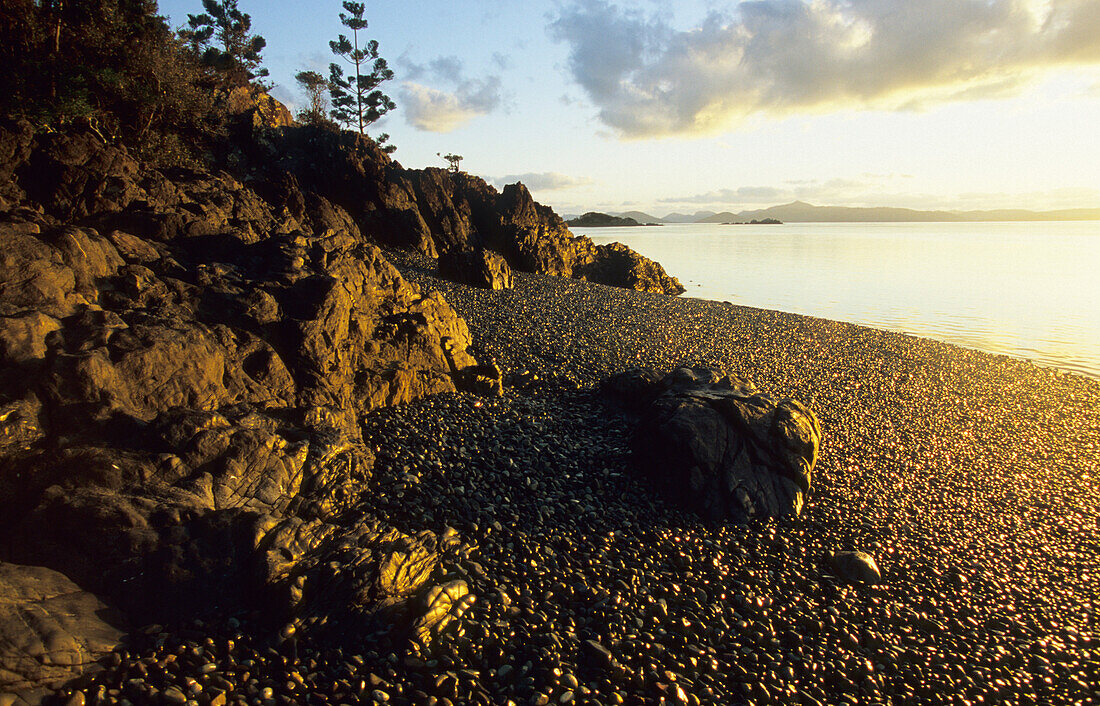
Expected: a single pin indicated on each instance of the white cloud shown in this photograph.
(542, 181)
(435, 110)
(778, 56)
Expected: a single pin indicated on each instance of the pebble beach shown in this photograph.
(974, 481)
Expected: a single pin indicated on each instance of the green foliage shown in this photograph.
(222, 37)
(453, 160)
(317, 106)
(383, 141)
(356, 99)
(112, 64)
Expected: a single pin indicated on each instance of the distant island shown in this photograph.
(802, 212)
(592, 219)
(755, 222)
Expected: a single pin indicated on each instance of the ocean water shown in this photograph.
(1029, 290)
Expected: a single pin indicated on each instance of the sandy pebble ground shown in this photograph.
(973, 479)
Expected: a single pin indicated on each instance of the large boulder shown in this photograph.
(477, 268)
(617, 265)
(256, 107)
(51, 631)
(718, 446)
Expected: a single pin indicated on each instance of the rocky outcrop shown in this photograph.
(436, 212)
(716, 445)
(477, 268)
(183, 363)
(617, 265)
(185, 356)
(255, 107)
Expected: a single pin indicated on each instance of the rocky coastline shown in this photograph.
(256, 449)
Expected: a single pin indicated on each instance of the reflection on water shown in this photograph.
(1028, 290)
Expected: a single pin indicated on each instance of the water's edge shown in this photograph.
(1020, 289)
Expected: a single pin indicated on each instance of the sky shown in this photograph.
(617, 105)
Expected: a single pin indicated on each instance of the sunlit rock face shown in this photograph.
(437, 212)
(477, 268)
(718, 446)
(184, 361)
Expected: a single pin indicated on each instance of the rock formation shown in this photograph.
(716, 445)
(477, 268)
(435, 211)
(184, 361)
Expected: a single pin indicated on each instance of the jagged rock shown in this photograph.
(435, 211)
(257, 107)
(617, 265)
(180, 399)
(715, 444)
(477, 268)
(75, 175)
(50, 631)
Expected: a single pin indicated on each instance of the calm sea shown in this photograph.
(1029, 290)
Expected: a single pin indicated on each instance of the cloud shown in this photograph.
(648, 79)
(542, 181)
(447, 68)
(435, 109)
(837, 191)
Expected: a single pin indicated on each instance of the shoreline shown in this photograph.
(1049, 330)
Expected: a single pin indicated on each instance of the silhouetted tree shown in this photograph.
(383, 141)
(356, 100)
(453, 160)
(235, 53)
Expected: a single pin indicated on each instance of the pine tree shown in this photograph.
(236, 56)
(453, 160)
(356, 100)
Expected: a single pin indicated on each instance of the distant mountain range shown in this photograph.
(802, 212)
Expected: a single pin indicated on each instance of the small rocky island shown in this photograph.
(593, 219)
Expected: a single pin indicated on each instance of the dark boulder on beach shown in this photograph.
(477, 268)
(715, 444)
(855, 567)
(51, 631)
(619, 266)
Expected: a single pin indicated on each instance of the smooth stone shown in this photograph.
(856, 567)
